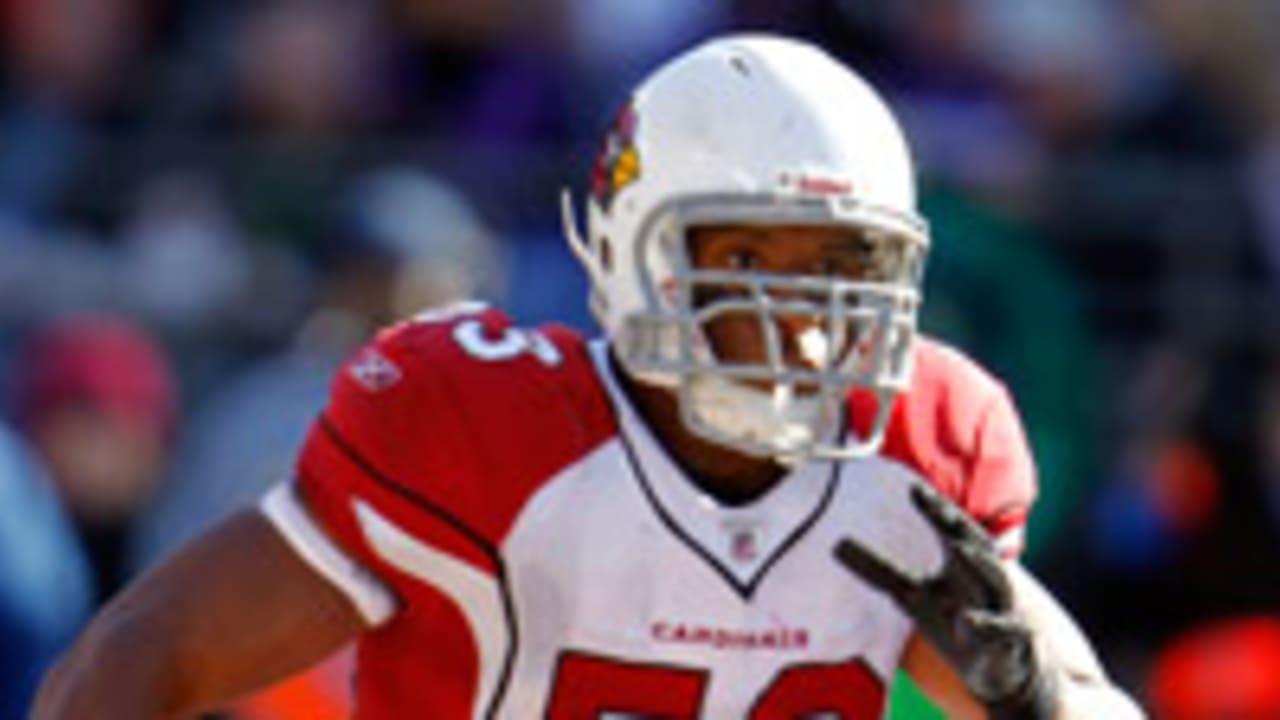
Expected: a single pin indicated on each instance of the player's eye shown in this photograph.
(862, 258)
(834, 267)
(852, 262)
(865, 248)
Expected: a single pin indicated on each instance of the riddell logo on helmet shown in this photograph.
(618, 163)
(815, 184)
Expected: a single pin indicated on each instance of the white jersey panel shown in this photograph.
(601, 563)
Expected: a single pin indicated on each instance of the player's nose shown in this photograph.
(804, 342)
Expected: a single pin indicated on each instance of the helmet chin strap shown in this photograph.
(779, 425)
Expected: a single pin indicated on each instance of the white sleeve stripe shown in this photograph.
(371, 598)
(476, 594)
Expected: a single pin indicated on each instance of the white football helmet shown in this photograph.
(759, 130)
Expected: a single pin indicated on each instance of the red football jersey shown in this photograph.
(522, 545)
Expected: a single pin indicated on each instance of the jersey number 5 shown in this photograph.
(595, 687)
(510, 344)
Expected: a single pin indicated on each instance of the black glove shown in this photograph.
(965, 611)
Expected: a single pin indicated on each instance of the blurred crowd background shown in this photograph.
(205, 205)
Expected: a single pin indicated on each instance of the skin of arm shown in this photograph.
(232, 612)
(1083, 689)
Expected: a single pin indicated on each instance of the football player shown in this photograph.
(758, 496)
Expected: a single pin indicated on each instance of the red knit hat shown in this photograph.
(102, 361)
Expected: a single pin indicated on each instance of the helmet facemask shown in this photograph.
(815, 336)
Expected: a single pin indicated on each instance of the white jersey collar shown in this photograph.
(742, 542)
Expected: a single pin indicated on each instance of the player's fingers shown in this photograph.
(1001, 632)
(945, 516)
(984, 571)
(874, 570)
(1006, 662)
(993, 625)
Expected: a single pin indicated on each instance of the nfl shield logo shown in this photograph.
(743, 546)
(374, 372)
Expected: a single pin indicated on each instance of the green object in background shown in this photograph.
(906, 702)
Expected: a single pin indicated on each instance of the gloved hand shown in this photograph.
(965, 611)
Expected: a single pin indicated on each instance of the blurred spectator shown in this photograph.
(410, 240)
(1181, 532)
(44, 580)
(486, 71)
(305, 75)
(183, 265)
(1069, 67)
(178, 263)
(308, 67)
(1267, 438)
(69, 67)
(1264, 186)
(49, 271)
(398, 241)
(1143, 196)
(1162, 484)
(955, 102)
(96, 398)
(1227, 669)
(608, 58)
(486, 85)
(184, 261)
(1228, 47)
